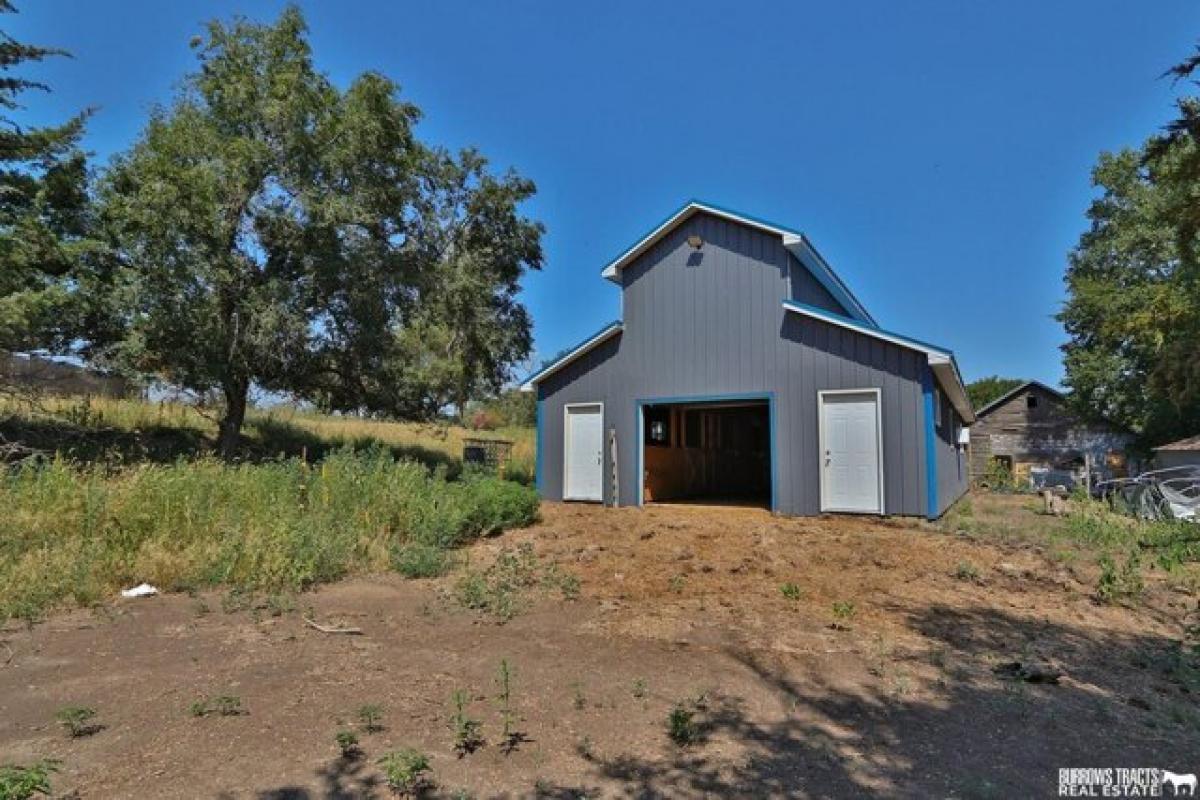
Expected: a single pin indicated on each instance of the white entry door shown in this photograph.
(851, 452)
(583, 457)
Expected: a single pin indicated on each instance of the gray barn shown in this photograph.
(744, 370)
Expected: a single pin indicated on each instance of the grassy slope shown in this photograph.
(134, 494)
(132, 430)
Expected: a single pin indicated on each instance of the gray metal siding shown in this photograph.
(711, 323)
(953, 468)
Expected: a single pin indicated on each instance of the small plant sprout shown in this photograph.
(790, 591)
(23, 782)
(225, 705)
(371, 717)
(843, 612)
(77, 720)
(639, 688)
(586, 749)
(579, 701)
(468, 736)
(677, 583)
(347, 742)
(681, 725)
(966, 571)
(404, 770)
(510, 737)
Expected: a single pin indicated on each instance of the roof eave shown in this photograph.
(595, 340)
(940, 360)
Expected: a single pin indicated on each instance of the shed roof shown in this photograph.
(1192, 443)
(1010, 394)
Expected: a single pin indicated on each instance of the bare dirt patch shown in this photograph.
(891, 693)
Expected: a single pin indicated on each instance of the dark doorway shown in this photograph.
(707, 453)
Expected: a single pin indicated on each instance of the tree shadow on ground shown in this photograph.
(342, 779)
(1127, 701)
(263, 439)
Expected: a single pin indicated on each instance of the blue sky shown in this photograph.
(937, 153)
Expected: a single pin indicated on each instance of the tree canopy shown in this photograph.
(1133, 282)
(985, 390)
(44, 209)
(271, 229)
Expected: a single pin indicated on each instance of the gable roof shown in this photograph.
(592, 342)
(796, 243)
(1191, 443)
(941, 359)
(1009, 395)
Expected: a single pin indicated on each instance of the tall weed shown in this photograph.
(80, 533)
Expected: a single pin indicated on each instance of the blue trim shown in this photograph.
(836, 318)
(931, 476)
(572, 353)
(539, 445)
(639, 426)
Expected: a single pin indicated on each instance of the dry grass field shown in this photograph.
(135, 430)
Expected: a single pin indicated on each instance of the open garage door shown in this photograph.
(707, 452)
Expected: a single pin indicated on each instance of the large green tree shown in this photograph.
(44, 209)
(985, 390)
(271, 229)
(1133, 283)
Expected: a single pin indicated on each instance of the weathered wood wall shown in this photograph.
(1047, 435)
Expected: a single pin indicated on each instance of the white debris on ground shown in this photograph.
(141, 590)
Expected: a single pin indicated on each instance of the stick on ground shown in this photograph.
(327, 629)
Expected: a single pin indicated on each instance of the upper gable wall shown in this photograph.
(737, 264)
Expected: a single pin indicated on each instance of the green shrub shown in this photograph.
(404, 770)
(502, 588)
(790, 591)
(681, 725)
(21, 783)
(418, 560)
(966, 571)
(1119, 583)
(223, 705)
(347, 742)
(371, 716)
(81, 533)
(77, 720)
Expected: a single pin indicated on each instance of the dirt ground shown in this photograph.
(895, 696)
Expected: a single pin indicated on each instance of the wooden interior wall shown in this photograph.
(678, 472)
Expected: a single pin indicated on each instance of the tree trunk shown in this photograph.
(231, 422)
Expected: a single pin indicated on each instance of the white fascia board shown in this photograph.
(800, 247)
(595, 341)
(613, 269)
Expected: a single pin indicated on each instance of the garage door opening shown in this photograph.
(717, 453)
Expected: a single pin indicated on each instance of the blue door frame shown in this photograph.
(640, 428)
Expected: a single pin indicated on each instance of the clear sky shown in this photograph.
(938, 153)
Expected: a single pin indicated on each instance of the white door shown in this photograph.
(583, 459)
(851, 479)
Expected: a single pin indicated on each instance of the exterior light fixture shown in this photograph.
(695, 242)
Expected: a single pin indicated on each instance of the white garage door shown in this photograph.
(583, 459)
(851, 479)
